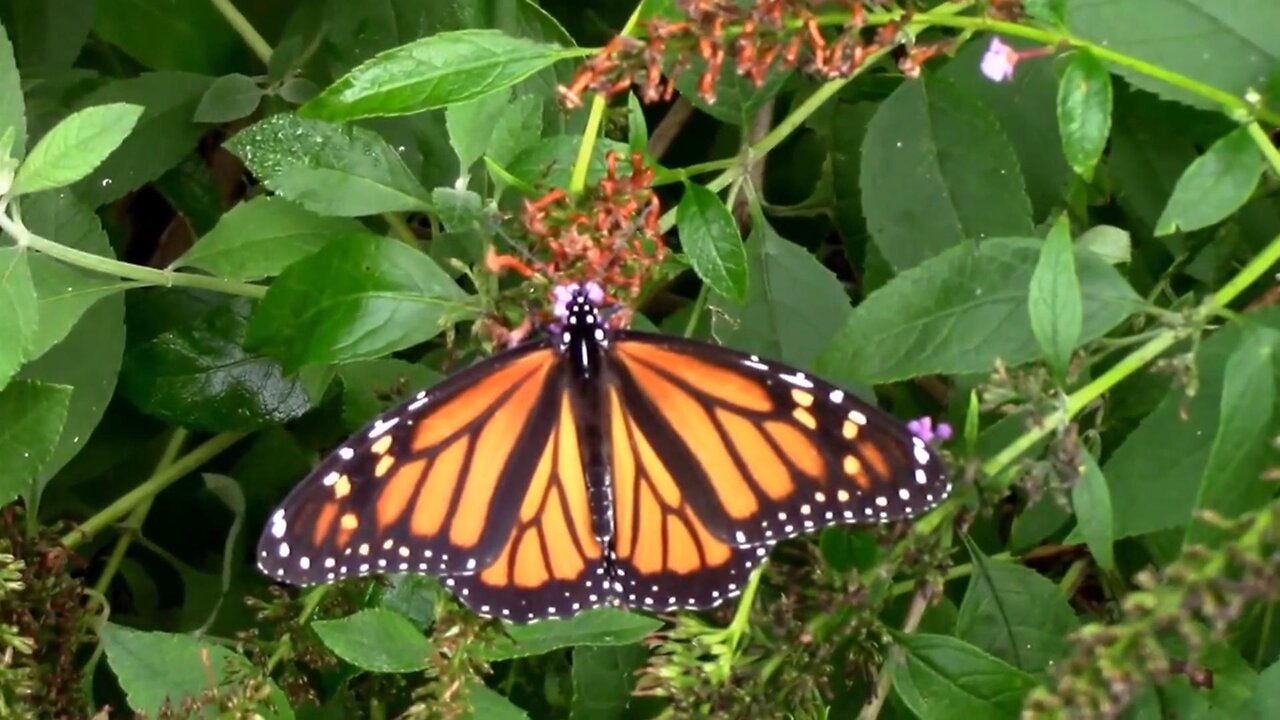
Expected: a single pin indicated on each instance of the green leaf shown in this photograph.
(1084, 111)
(339, 170)
(196, 374)
(548, 163)
(963, 309)
(13, 113)
(31, 418)
(18, 304)
(370, 387)
(433, 72)
(737, 98)
(711, 241)
(1053, 11)
(459, 210)
(1037, 521)
(164, 35)
(356, 298)
(412, 595)
(1108, 242)
(1232, 483)
(602, 626)
(163, 136)
(936, 170)
(793, 305)
(1015, 614)
(940, 678)
(603, 679)
(1265, 702)
(1053, 302)
(1091, 499)
(517, 129)
(471, 125)
(1149, 152)
(1215, 185)
(488, 704)
(49, 35)
(845, 549)
(98, 333)
(1152, 488)
(263, 236)
(156, 669)
(229, 98)
(75, 147)
(376, 639)
(1225, 45)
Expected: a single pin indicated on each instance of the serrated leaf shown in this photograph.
(13, 113)
(196, 374)
(355, 298)
(75, 147)
(433, 72)
(1084, 111)
(156, 669)
(1015, 614)
(1091, 499)
(1215, 185)
(376, 639)
(518, 128)
(603, 679)
(936, 170)
(1232, 483)
(18, 305)
(602, 626)
(1053, 302)
(961, 310)
(941, 678)
(98, 333)
(488, 704)
(335, 170)
(229, 98)
(1108, 242)
(793, 305)
(1226, 45)
(710, 240)
(162, 137)
(262, 237)
(31, 419)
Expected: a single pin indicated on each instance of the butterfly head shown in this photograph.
(577, 312)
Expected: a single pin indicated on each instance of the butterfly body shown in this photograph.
(599, 467)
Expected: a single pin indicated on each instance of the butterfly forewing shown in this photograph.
(761, 451)
(434, 485)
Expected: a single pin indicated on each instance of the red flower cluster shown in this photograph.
(609, 234)
(771, 33)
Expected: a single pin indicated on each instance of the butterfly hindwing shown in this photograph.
(433, 485)
(762, 451)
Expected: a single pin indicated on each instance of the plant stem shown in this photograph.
(595, 118)
(145, 276)
(148, 489)
(138, 515)
(245, 29)
(884, 681)
(309, 604)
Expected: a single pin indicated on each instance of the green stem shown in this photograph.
(595, 118)
(151, 486)
(309, 604)
(244, 29)
(138, 515)
(145, 276)
(698, 304)
(1268, 148)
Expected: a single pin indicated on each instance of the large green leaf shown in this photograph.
(18, 307)
(963, 309)
(197, 374)
(13, 114)
(339, 170)
(433, 72)
(186, 35)
(376, 639)
(936, 170)
(358, 297)
(603, 678)
(1084, 111)
(261, 237)
(48, 35)
(1228, 45)
(711, 241)
(75, 147)
(31, 419)
(793, 306)
(940, 678)
(1016, 614)
(603, 626)
(1215, 185)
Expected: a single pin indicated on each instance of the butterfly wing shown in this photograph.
(551, 563)
(664, 556)
(760, 451)
(434, 485)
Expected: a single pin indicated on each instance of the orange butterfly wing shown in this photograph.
(434, 485)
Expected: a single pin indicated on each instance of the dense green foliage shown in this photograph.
(235, 231)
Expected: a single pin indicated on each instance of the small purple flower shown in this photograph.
(562, 294)
(999, 60)
(594, 292)
(923, 428)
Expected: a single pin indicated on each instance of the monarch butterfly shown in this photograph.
(599, 467)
